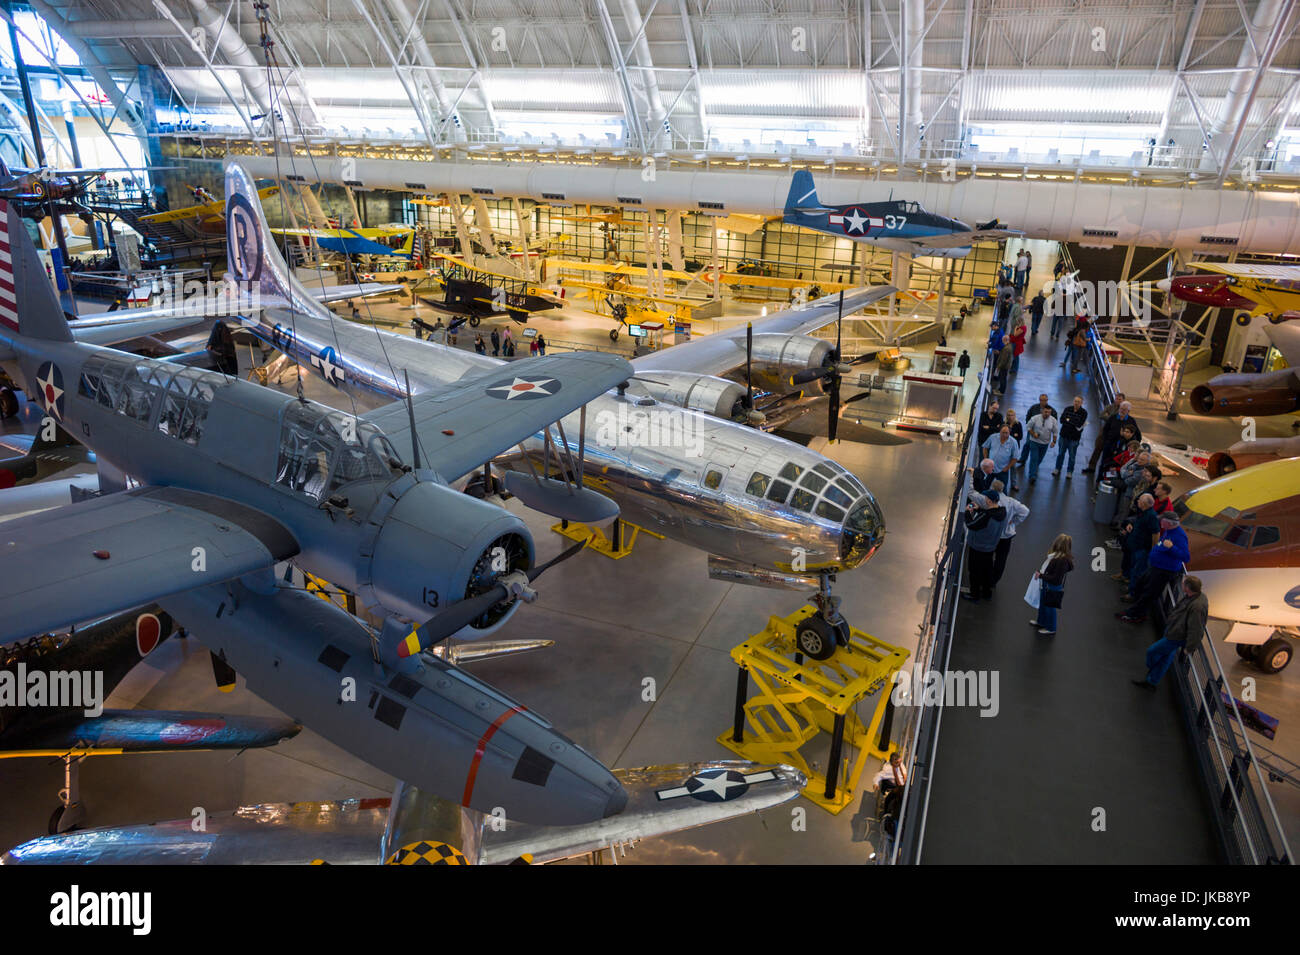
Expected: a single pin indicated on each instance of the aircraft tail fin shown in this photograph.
(803, 194)
(28, 302)
(251, 253)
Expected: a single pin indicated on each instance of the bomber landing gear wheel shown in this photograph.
(1273, 656)
(815, 638)
(1245, 650)
(613, 334)
(8, 403)
(474, 320)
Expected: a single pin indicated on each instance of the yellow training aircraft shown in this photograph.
(1272, 290)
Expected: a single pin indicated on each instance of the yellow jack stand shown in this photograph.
(616, 548)
(798, 699)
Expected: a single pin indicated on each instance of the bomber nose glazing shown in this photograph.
(863, 531)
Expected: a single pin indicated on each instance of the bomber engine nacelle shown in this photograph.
(434, 547)
(707, 393)
(777, 358)
(1276, 392)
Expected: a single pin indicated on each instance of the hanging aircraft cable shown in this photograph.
(281, 85)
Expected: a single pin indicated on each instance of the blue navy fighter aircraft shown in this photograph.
(899, 225)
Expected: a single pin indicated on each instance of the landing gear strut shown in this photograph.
(70, 813)
(819, 635)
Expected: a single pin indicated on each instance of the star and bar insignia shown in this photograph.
(524, 387)
(717, 785)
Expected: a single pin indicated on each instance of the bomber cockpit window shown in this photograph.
(791, 471)
(813, 482)
(780, 491)
(1239, 535)
(713, 479)
(758, 483)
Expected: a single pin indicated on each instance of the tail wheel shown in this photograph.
(474, 321)
(613, 334)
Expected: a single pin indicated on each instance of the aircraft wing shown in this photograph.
(722, 351)
(1266, 273)
(664, 799)
(336, 293)
(958, 240)
(1192, 460)
(661, 799)
(112, 553)
(113, 328)
(461, 426)
(148, 731)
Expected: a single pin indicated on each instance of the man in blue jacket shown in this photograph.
(1164, 564)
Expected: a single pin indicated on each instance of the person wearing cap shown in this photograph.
(1184, 630)
(985, 519)
(1164, 564)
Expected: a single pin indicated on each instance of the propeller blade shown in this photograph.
(464, 612)
(861, 395)
(834, 408)
(223, 672)
(557, 559)
(809, 374)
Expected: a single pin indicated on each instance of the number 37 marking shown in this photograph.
(895, 222)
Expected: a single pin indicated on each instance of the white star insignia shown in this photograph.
(50, 394)
(522, 387)
(719, 785)
(855, 221)
(327, 367)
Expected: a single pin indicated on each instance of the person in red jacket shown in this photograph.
(1017, 340)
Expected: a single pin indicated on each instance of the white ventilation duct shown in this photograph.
(1220, 220)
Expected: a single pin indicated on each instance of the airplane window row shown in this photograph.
(836, 497)
(176, 397)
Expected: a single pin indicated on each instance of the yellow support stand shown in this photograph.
(617, 548)
(799, 699)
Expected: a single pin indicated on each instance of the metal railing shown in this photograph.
(1244, 814)
(1250, 831)
(919, 736)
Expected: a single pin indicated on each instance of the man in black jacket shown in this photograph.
(1073, 419)
(1184, 630)
(1037, 407)
(1110, 433)
(1036, 312)
(990, 423)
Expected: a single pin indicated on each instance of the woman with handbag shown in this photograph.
(1051, 577)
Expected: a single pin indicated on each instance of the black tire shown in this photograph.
(474, 320)
(815, 638)
(8, 403)
(1245, 650)
(1274, 655)
(613, 334)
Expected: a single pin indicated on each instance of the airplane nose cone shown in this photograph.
(1165, 285)
(863, 532)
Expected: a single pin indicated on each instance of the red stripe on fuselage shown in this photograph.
(482, 745)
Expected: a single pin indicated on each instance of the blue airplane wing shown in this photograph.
(150, 731)
(112, 553)
(462, 426)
